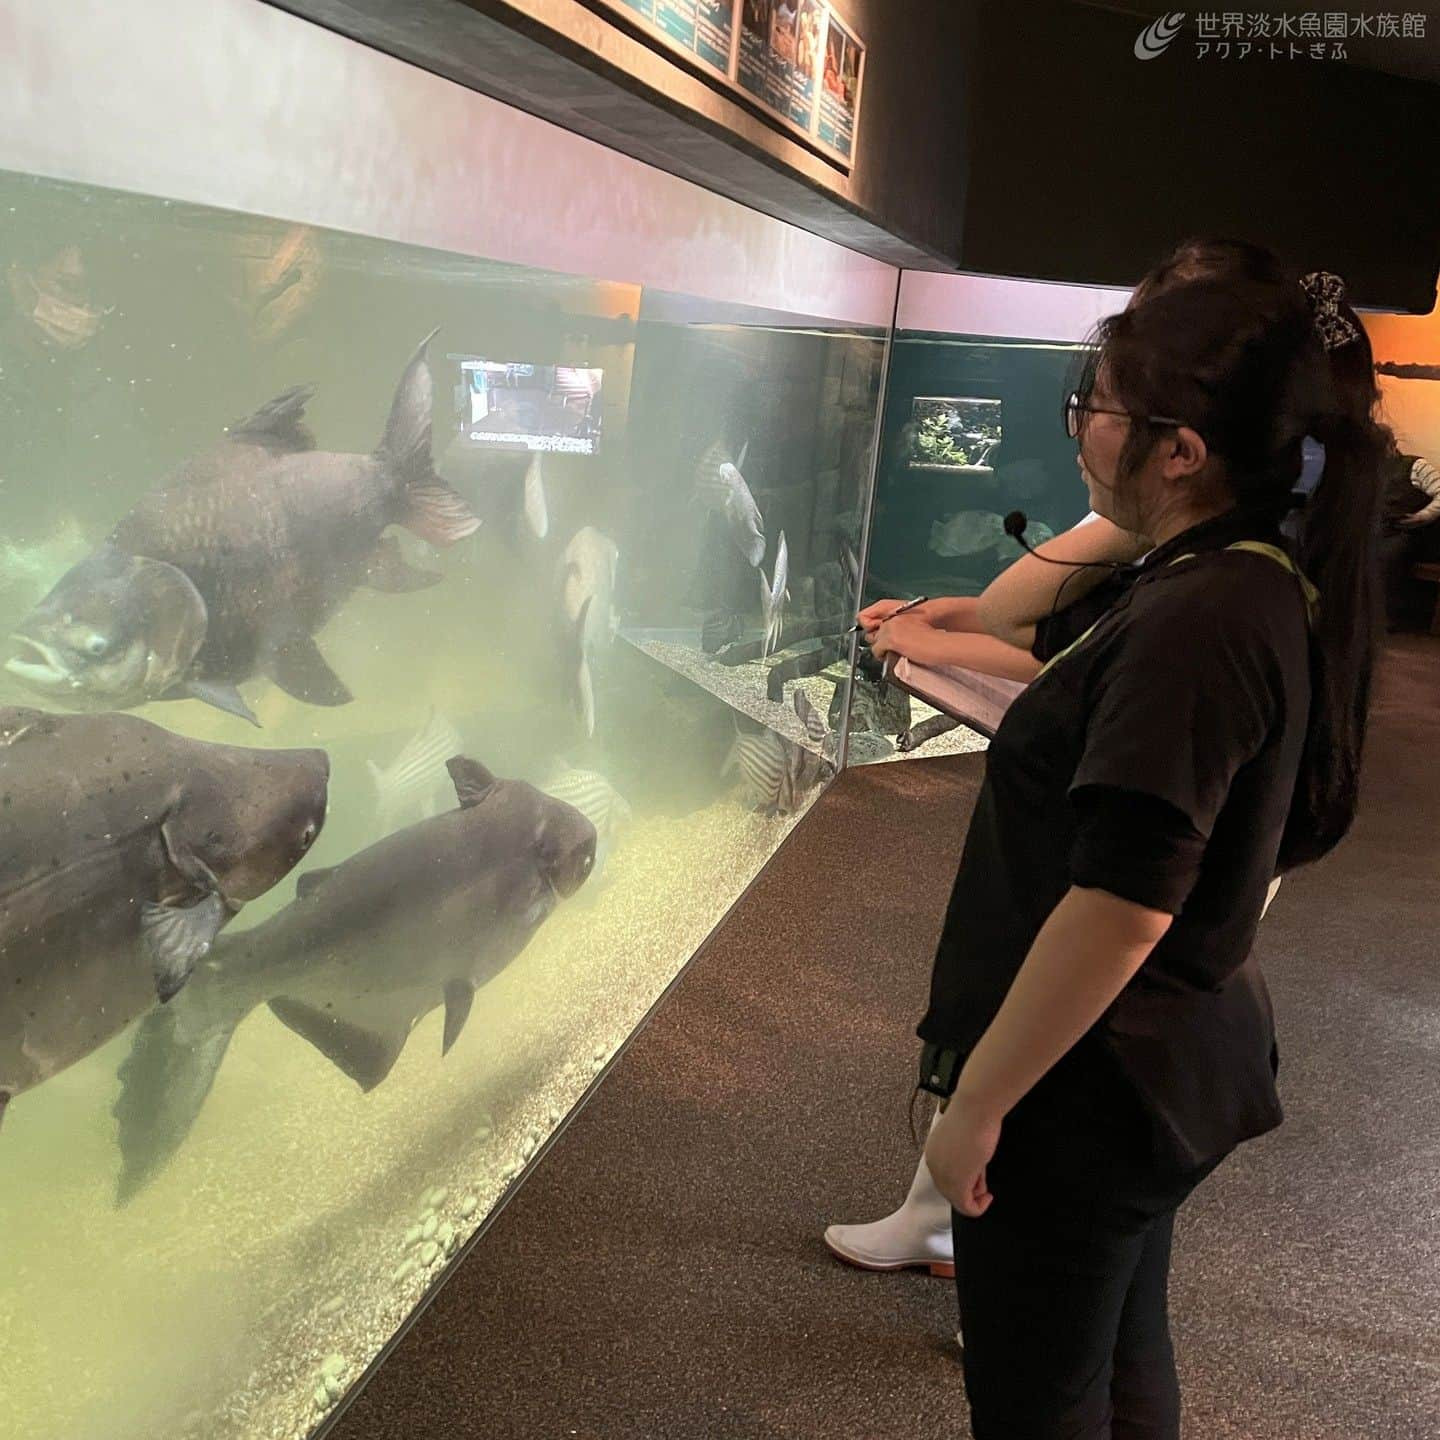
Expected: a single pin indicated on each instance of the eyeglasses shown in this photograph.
(1074, 407)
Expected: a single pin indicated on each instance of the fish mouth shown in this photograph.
(44, 666)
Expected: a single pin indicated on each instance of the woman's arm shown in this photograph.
(1026, 592)
(1087, 952)
(921, 642)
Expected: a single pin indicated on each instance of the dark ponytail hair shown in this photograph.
(1240, 361)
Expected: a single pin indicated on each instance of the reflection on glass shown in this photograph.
(412, 659)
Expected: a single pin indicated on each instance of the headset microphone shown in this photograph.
(1015, 525)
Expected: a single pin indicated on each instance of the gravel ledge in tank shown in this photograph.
(742, 687)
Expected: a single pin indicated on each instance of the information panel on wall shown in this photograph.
(798, 59)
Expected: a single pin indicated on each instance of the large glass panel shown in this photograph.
(971, 433)
(240, 487)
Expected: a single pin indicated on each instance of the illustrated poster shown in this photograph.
(839, 89)
(796, 58)
(701, 29)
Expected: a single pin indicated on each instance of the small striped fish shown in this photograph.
(599, 802)
(593, 796)
(416, 785)
(775, 774)
(811, 719)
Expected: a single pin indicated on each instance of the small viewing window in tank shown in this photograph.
(953, 432)
(516, 406)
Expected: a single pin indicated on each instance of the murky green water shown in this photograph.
(299, 1220)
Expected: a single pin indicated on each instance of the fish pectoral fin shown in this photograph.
(389, 572)
(177, 938)
(163, 1085)
(312, 880)
(296, 665)
(219, 694)
(366, 1056)
(459, 996)
(473, 782)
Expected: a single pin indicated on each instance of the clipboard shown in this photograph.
(969, 696)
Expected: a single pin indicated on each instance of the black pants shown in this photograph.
(1063, 1281)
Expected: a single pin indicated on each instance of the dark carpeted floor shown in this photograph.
(662, 1274)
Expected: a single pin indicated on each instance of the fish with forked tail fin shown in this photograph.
(421, 919)
(230, 568)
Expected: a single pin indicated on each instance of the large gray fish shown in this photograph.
(421, 919)
(125, 851)
(231, 567)
(588, 571)
(773, 597)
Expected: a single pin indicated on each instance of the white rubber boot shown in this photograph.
(916, 1236)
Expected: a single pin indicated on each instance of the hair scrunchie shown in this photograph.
(1325, 293)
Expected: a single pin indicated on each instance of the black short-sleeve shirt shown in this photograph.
(1190, 696)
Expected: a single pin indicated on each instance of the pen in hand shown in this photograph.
(909, 605)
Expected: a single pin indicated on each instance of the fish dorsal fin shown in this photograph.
(473, 782)
(366, 1056)
(279, 423)
(459, 996)
(312, 880)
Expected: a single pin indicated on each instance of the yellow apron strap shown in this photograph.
(1275, 553)
(1061, 654)
(1256, 547)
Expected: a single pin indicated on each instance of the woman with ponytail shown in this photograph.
(1097, 1025)
(1036, 607)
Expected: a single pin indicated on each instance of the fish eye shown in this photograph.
(308, 834)
(96, 645)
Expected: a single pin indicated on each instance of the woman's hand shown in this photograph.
(874, 616)
(910, 635)
(960, 1147)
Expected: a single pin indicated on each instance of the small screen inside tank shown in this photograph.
(953, 432)
(509, 405)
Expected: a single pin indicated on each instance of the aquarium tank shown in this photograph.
(971, 432)
(424, 618)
